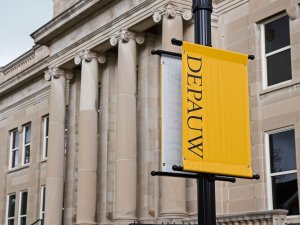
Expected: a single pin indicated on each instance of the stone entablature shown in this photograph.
(34, 55)
(83, 9)
(99, 29)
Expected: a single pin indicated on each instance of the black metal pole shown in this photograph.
(202, 10)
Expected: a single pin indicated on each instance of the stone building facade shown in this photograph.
(80, 115)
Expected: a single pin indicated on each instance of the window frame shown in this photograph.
(264, 55)
(7, 209)
(11, 149)
(45, 138)
(24, 145)
(20, 205)
(269, 175)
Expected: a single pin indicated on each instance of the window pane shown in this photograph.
(15, 158)
(23, 221)
(47, 125)
(43, 200)
(24, 204)
(11, 205)
(277, 34)
(46, 147)
(285, 193)
(279, 67)
(27, 154)
(282, 151)
(27, 134)
(15, 141)
(43, 218)
(11, 222)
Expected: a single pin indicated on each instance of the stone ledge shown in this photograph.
(269, 217)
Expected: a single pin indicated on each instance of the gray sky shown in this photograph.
(18, 19)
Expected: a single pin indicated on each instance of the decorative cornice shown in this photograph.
(67, 19)
(23, 62)
(125, 35)
(54, 72)
(32, 72)
(87, 56)
(2, 76)
(170, 11)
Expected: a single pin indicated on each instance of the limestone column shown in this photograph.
(126, 143)
(173, 190)
(88, 138)
(56, 152)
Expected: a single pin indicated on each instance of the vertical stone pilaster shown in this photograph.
(173, 190)
(56, 152)
(126, 143)
(72, 100)
(107, 133)
(88, 138)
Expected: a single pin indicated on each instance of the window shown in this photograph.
(23, 208)
(282, 171)
(11, 202)
(14, 149)
(26, 144)
(42, 204)
(276, 51)
(45, 136)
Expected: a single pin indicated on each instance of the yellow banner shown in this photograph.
(215, 111)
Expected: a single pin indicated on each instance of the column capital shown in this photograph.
(124, 35)
(87, 55)
(55, 72)
(170, 11)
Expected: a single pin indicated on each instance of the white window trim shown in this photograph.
(268, 165)
(43, 188)
(278, 51)
(25, 145)
(264, 55)
(7, 208)
(20, 204)
(11, 149)
(45, 138)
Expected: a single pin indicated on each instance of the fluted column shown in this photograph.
(173, 190)
(56, 152)
(88, 142)
(126, 143)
